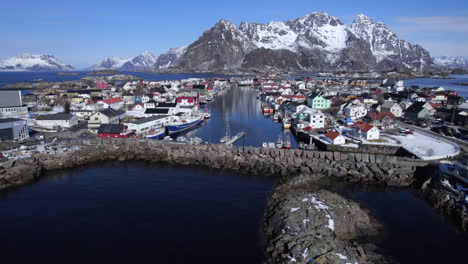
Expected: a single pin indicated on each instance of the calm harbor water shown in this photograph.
(123, 212)
(237, 109)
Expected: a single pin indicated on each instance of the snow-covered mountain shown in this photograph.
(143, 61)
(169, 58)
(452, 62)
(315, 42)
(111, 63)
(32, 62)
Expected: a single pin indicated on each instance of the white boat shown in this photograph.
(207, 114)
(167, 138)
(183, 124)
(287, 142)
(197, 141)
(279, 143)
(181, 139)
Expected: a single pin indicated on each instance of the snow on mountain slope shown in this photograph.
(169, 58)
(111, 63)
(33, 62)
(316, 30)
(144, 60)
(452, 62)
(383, 41)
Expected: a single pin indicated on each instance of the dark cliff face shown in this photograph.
(261, 59)
(223, 47)
(315, 42)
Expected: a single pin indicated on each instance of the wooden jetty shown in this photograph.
(235, 138)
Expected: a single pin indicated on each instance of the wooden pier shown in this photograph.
(235, 138)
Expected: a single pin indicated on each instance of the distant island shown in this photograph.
(103, 72)
(67, 73)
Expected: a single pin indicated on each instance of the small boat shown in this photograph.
(279, 143)
(181, 139)
(265, 145)
(207, 114)
(156, 134)
(167, 138)
(276, 117)
(287, 142)
(197, 141)
(286, 124)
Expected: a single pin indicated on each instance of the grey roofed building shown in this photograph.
(10, 99)
(157, 111)
(148, 119)
(110, 112)
(58, 116)
(167, 105)
(111, 129)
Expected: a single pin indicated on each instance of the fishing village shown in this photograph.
(364, 131)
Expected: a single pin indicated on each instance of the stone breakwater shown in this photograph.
(294, 166)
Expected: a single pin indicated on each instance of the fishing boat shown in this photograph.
(227, 137)
(156, 134)
(183, 124)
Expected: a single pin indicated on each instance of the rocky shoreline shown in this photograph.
(308, 226)
(291, 234)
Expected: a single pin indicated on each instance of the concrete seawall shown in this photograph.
(302, 165)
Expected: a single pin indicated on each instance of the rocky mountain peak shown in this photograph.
(316, 41)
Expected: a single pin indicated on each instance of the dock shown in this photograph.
(235, 138)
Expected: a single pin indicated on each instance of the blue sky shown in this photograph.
(82, 32)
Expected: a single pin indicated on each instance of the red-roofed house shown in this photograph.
(185, 101)
(334, 138)
(382, 120)
(115, 103)
(365, 131)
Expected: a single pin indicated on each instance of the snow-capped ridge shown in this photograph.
(33, 62)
